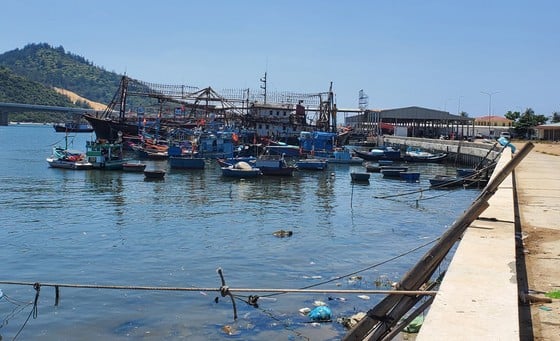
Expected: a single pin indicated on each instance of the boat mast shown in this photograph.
(123, 94)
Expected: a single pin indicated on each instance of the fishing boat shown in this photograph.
(417, 155)
(104, 155)
(62, 157)
(68, 159)
(181, 159)
(240, 170)
(312, 164)
(133, 167)
(274, 165)
(359, 177)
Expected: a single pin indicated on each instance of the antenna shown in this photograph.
(363, 100)
(263, 86)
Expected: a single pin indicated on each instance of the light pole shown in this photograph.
(489, 108)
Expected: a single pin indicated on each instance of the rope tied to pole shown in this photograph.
(35, 310)
(224, 291)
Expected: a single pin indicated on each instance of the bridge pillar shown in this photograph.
(3, 118)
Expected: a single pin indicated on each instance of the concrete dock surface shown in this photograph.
(484, 296)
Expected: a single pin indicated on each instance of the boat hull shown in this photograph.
(186, 162)
(64, 164)
(108, 129)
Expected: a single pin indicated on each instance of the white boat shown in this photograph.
(68, 159)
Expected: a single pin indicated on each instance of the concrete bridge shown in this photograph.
(7, 108)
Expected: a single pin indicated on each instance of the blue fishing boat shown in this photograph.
(241, 170)
(274, 165)
(312, 164)
(180, 158)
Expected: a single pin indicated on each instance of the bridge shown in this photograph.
(7, 108)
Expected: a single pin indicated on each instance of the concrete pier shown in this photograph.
(479, 296)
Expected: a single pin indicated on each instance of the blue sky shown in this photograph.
(434, 54)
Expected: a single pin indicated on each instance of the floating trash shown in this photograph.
(321, 313)
(363, 297)
(319, 303)
(304, 311)
(282, 233)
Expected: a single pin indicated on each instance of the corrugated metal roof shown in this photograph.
(419, 113)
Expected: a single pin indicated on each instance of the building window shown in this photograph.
(270, 112)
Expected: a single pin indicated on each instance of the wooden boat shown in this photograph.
(392, 171)
(241, 170)
(133, 167)
(312, 164)
(410, 176)
(274, 165)
(359, 177)
(154, 174)
(417, 155)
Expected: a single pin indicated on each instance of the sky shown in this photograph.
(476, 56)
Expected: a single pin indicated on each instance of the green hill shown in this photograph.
(55, 67)
(17, 89)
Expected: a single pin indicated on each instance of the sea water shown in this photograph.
(113, 228)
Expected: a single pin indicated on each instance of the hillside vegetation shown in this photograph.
(54, 67)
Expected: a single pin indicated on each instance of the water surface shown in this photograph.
(115, 228)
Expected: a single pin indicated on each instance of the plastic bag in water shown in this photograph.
(321, 313)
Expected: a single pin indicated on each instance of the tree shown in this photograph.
(523, 123)
(555, 117)
(464, 114)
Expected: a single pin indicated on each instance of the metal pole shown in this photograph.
(489, 108)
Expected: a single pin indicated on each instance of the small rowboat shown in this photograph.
(154, 174)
